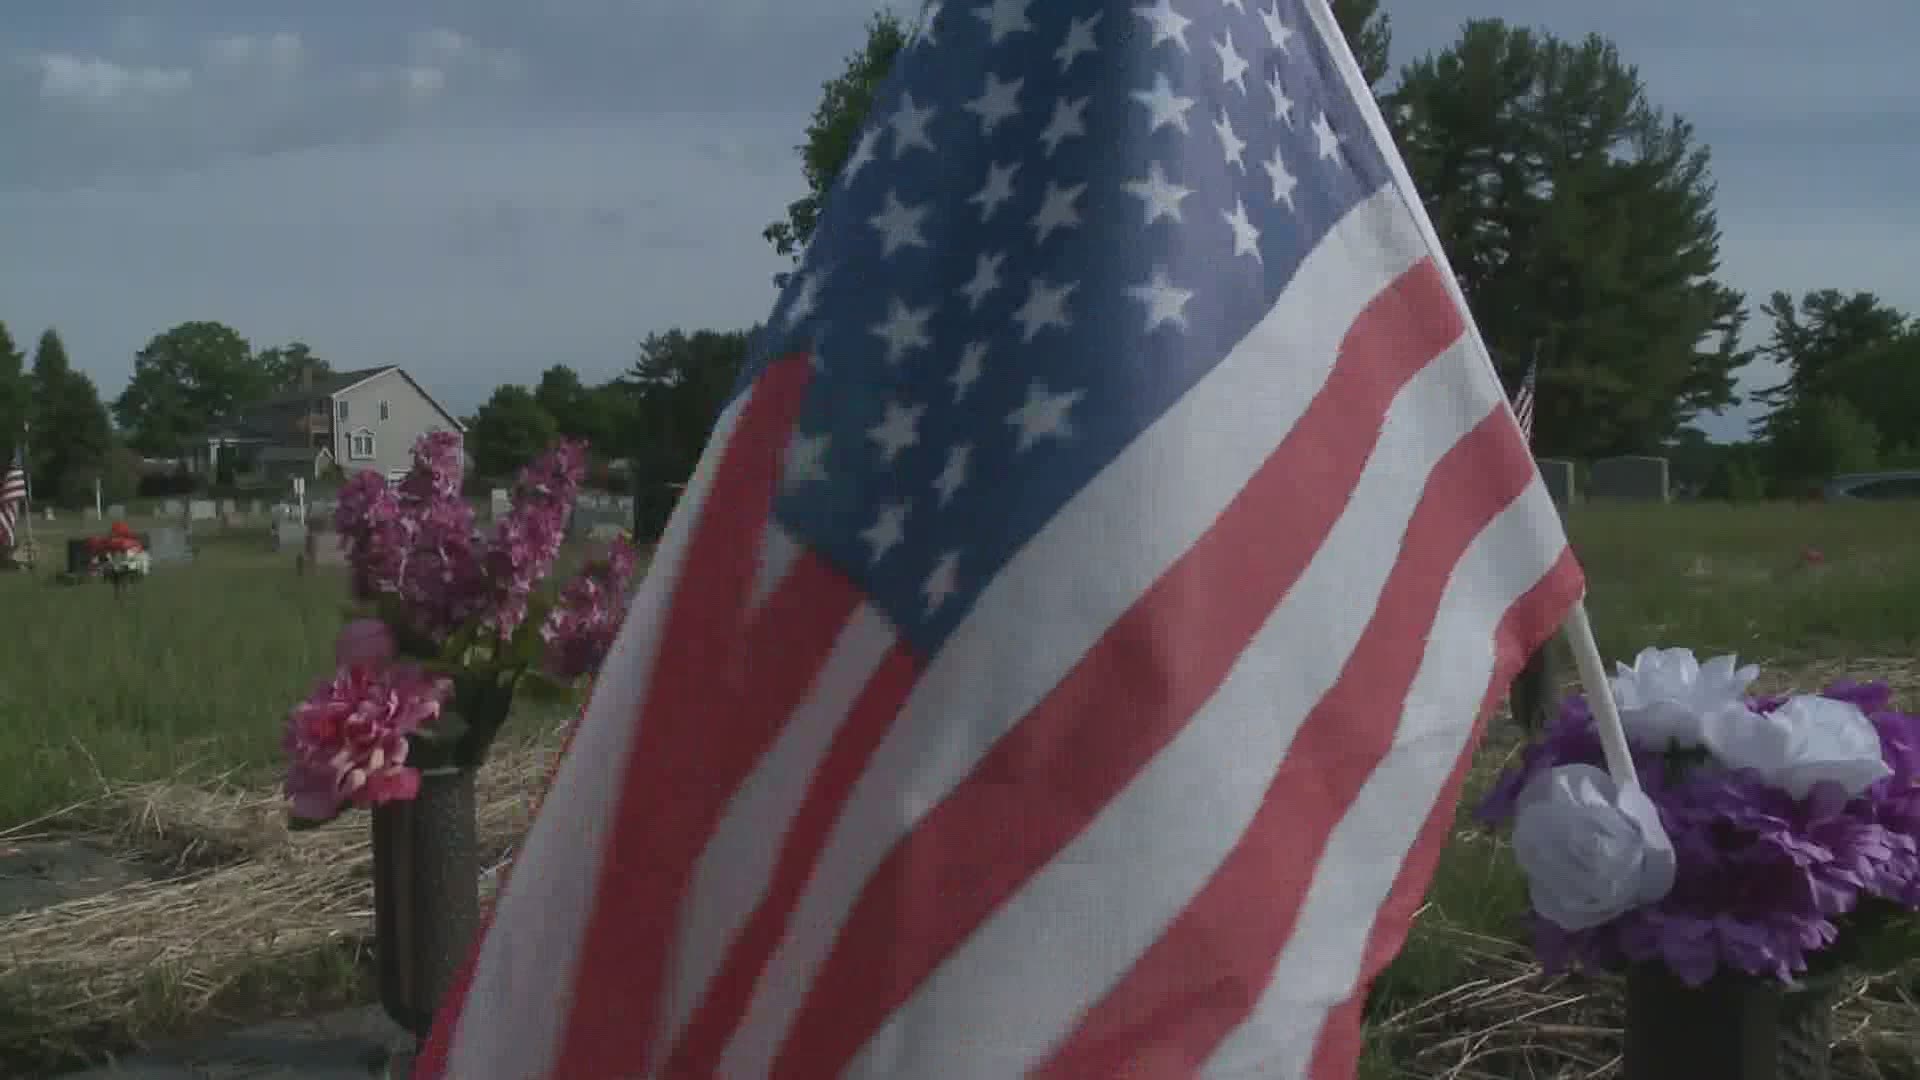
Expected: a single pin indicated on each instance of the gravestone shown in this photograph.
(1558, 474)
(324, 548)
(500, 503)
(290, 534)
(173, 508)
(169, 545)
(254, 508)
(228, 507)
(93, 513)
(117, 512)
(606, 532)
(1632, 477)
(201, 510)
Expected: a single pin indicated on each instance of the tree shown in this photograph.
(1817, 440)
(287, 367)
(70, 433)
(509, 431)
(1580, 220)
(847, 99)
(679, 383)
(16, 395)
(187, 379)
(1838, 345)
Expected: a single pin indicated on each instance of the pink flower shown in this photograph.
(587, 615)
(347, 744)
(527, 540)
(364, 643)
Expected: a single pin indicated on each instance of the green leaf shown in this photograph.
(450, 726)
(539, 687)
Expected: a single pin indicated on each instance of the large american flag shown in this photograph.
(1066, 657)
(13, 497)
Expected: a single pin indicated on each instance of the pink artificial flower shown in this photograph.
(348, 742)
(365, 643)
(527, 540)
(588, 613)
(415, 541)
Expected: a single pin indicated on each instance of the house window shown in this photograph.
(340, 410)
(383, 410)
(360, 445)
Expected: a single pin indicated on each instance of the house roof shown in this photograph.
(259, 420)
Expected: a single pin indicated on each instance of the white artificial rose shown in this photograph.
(1590, 850)
(1807, 740)
(1666, 694)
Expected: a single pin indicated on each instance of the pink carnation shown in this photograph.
(527, 540)
(348, 742)
(588, 613)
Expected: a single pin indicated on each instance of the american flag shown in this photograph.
(1067, 654)
(13, 496)
(1523, 399)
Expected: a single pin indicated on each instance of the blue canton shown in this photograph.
(1061, 215)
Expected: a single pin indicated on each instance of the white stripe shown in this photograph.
(516, 1007)
(1083, 921)
(734, 869)
(1051, 603)
(1321, 961)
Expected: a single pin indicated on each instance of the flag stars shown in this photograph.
(1068, 121)
(1278, 32)
(904, 329)
(888, 529)
(997, 189)
(1165, 302)
(1326, 141)
(1282, 181)
(1043, 416)
(899, 224)
(806, 296)
(1046, 306)
(1168, 24)
(929, 24)
(805, 461)
(1057, 210)
(973, 360)
(954, 475)
(1003, 17)
(909, 126)
(1231, 145)
(1233, 66)
(986, 278)
(1246, 238)
(942, 582)
(1161, 197)
(862, 155)
(1282, 104)
(1079, 41)
(998, 102)
(897, 430)
(1164, 107)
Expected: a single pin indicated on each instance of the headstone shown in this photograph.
(500, 503)
(173, 508)
(290, 534)
(201, 510)
(324, 548)
(254, 507)
(93, 513)
(605, 532)
(49, 513)
(1558, 474)
(1632, 477)
(228, 507)
(117, 512)
(169, 545)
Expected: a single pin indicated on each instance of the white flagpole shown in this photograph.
(1606, 712)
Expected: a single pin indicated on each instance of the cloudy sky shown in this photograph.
(482, 188)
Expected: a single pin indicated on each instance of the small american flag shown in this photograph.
(1066, 657)
(13, 496)
(1523, 399)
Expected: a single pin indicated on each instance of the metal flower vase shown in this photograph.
(1729, 1029)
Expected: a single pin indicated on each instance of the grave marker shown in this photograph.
(1633, 477)
(500, 503)
(117, 512)
(1559, 477)
(169, 545)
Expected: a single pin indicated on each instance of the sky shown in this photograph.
(479, 189)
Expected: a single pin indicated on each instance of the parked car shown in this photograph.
(1901, 484)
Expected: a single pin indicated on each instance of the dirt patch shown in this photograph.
(37, 874)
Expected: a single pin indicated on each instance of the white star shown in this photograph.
(929, 16)
(998, 189)
(1246, 238)
(805, 461)
(1068, 120)
(1277, 32)
(1328, 142)
(1168, 24)
(805, 297)
(899, 225)
(1230, 144)
(1163, 105)
(897, 430)
(973, 360)
(1079, 40)
(954, 475)
(910, 126)
(1046, 306)
(1043, 414)
(1233, 68)
(1282, 180)
(904, 329)
(887, 530)
(1162, 198)
(861, 156)
(1282, 104)
(1004, 17)
(1166, 303)
(1236, 5)
(996, 103)
(941, 583)
(1056, 211)
(986, 278)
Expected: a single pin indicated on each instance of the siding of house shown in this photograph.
(410, 414)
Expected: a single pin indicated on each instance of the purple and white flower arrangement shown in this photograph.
(1769, 837)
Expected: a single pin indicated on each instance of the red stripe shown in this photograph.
(707, 602)
(1042, 783)
(1525, 627)
(1198, 982)
(727, 997)
(717, 700)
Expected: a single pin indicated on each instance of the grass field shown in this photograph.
(111, 710)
